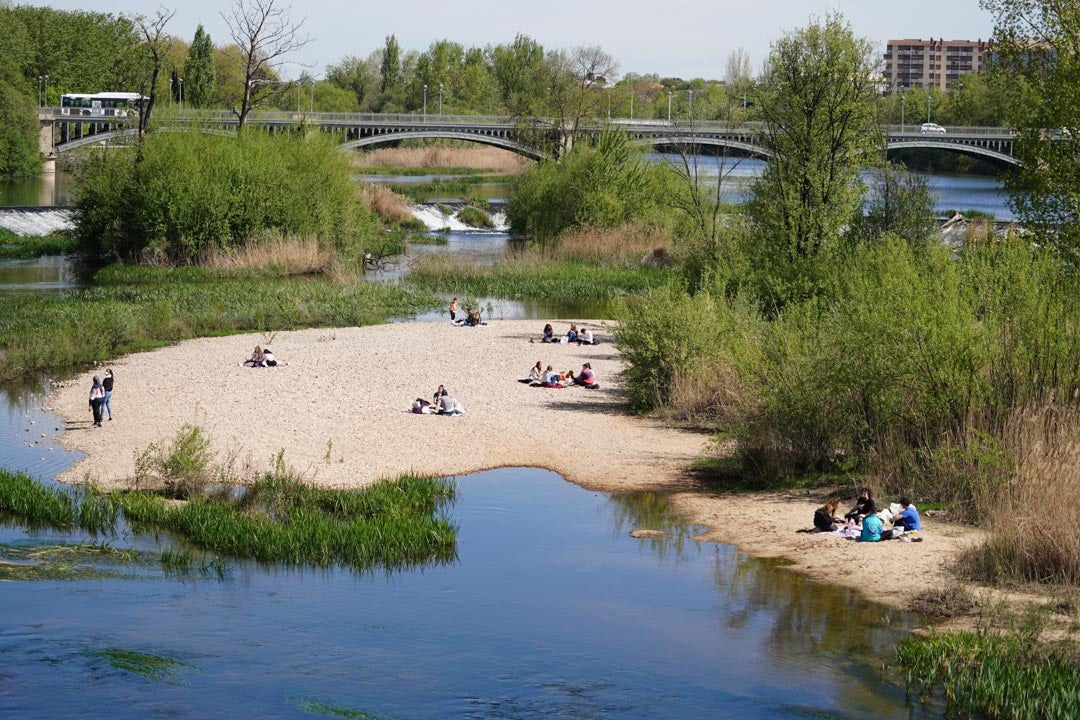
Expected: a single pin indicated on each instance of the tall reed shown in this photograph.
(474, 158)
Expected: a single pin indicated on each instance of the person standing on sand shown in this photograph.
(453, 309)
(107, 385)
(97, 398)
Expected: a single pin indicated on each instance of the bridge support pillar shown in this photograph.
(45, 138)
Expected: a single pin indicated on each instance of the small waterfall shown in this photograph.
(435, 219)
(35, 221)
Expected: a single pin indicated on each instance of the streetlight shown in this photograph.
(669, 106)
(39, 79)
(690, 104)
(425, 101)
(46, 91)
(903, 102)
(440, 99)
(312, 86)
(181, 81)
(631, 103)
(927, 103)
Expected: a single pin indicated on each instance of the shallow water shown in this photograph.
(551, 611)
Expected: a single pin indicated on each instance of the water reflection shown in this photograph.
(43, 190)
(51, 273)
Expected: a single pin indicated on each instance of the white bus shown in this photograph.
(107, 104)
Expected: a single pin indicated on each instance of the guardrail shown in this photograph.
(228, 117)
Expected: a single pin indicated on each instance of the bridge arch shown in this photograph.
(131, 132)
(994, 156)
(749, 148)
(493, 140)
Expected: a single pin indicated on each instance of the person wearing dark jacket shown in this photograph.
(825, 518)
(107, 384)
(865, 506)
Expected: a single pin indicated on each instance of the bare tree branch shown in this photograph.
(153, 32)
(264, 34)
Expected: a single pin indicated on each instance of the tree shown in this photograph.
(818, 104)
(264, 35)
(1037, 43)
(390, 70)
(156, 40)
(19, 155)
(574, 88)
(737, 72)
(518, 69)
(200, 76)
(899, 203)
(355, 75)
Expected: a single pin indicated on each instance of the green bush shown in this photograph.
(475, 217)
(193, 194)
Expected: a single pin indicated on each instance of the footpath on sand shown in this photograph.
(339, 410)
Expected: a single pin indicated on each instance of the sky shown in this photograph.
(673, 38)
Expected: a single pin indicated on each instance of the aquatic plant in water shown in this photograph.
(145, 665)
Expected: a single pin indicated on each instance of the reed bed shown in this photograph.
(443, 159)
(629, 245)
(386, 203)
(391, 525)
(279, 257)
(994, 676)
(532, 277)
(1029, 501)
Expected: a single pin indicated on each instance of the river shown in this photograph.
(551, 610)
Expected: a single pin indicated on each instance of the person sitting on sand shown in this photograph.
(448, 405)
(863, 507)
(586, 378)
(571, 334)
(549, 334)
(550, 378)
(871, 529)
(904, 522)
(472, 317)
(268, 358)
(256, 359)
(535, 373)
(421, 407)
(566, 377)
(825, 518)
(439, 393)
(585, 337)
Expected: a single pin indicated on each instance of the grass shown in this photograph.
(426, 239)
(994, 676)
(533, 278)
(37, 505)
(392, 524)
(420, 171)
(475, 217)
(384, 202)
(137, 308)
(17, 247)
(145, 665)
(312, 706)
(456, 188)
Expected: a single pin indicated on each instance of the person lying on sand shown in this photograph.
(422, 407)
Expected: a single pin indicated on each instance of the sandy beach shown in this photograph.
(339, 412)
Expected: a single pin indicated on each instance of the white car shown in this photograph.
(931, 128)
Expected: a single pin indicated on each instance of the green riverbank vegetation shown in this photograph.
(275, 517)
(18, 247)
(131, 308)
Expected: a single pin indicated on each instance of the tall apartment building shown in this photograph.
(929, 63)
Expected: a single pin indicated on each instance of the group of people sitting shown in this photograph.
(573, 335)
(866, 523)
(550, 378)
(472, 317)
(442, 403)
(262, 357)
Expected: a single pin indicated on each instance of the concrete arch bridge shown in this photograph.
(536, 138)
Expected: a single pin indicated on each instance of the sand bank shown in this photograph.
(339, 412)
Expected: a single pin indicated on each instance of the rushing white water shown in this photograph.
(435, 219)
(35, 222)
